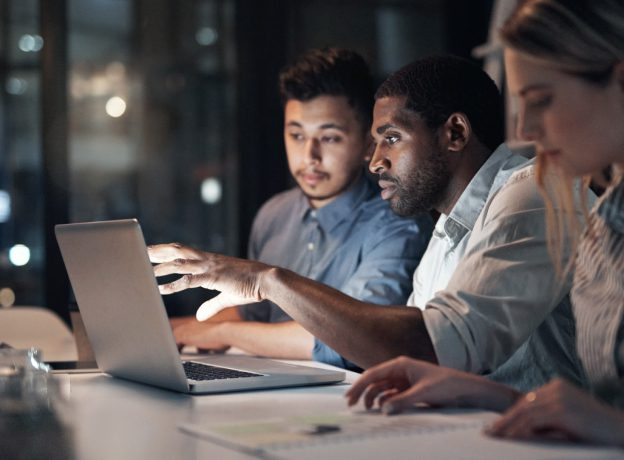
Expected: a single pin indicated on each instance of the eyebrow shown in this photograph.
(296, 124)
(401, 120)
(383, 128)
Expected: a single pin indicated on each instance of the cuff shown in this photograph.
(449, 347)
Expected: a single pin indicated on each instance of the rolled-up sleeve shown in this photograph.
(502, 289)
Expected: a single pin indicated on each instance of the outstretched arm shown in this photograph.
(361, 332)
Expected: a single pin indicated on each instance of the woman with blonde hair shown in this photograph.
(565, 64)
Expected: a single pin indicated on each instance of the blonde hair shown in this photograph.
(584, 38)
(561, 192)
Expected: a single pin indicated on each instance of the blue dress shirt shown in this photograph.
(355, 244)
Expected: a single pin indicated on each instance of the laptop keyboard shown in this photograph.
(197, 371)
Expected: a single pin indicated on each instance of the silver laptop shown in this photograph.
(127, 324)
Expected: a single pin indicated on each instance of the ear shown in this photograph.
(456, 132)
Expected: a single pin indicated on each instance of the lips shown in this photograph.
(312, 178)
(388, 189)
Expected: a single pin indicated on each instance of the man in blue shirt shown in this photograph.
(333, 227)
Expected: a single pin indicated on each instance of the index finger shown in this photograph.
(159, 253)
(179, 267)
(382, 371)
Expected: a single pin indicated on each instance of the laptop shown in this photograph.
(128, 327)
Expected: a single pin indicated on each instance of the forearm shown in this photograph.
(228, 314)
(485, 394)
(287, 340)
(364, 333)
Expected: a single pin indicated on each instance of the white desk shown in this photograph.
(115, 419)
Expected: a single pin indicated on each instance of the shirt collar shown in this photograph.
(490, 177)
(330, 215)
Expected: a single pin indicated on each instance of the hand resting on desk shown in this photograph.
(400, 383)
(558, 410)
(207, 336)
(204, 336)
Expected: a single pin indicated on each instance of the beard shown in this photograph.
(421, 189)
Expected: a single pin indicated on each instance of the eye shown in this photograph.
(391, 139)
(297, 137)
(538, 102)
(331, 139)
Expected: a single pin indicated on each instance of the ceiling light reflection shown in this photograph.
(206, 36)
(16, 86)
(211, 190)
(19, 255)
(5, 206)
(115, 107)
(7, 297)
(30, 43)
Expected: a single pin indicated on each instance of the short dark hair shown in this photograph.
(437, 86)
(331, 72)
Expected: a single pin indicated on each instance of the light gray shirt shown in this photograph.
(492, 303)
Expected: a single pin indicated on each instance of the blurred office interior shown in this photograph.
(168, 111)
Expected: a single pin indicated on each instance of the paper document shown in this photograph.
(272, 435)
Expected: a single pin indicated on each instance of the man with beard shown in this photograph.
(333, 227)
(489, 300)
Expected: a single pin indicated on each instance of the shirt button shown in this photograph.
(310, 246)
(313, 214)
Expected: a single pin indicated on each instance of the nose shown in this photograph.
(528, 127)
(312, 151)
(379, 163)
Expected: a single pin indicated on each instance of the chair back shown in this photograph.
(25, 327)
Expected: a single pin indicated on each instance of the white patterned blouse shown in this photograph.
(598, 294)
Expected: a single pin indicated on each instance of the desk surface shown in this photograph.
(113, 418)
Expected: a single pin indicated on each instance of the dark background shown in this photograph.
(199, 147)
